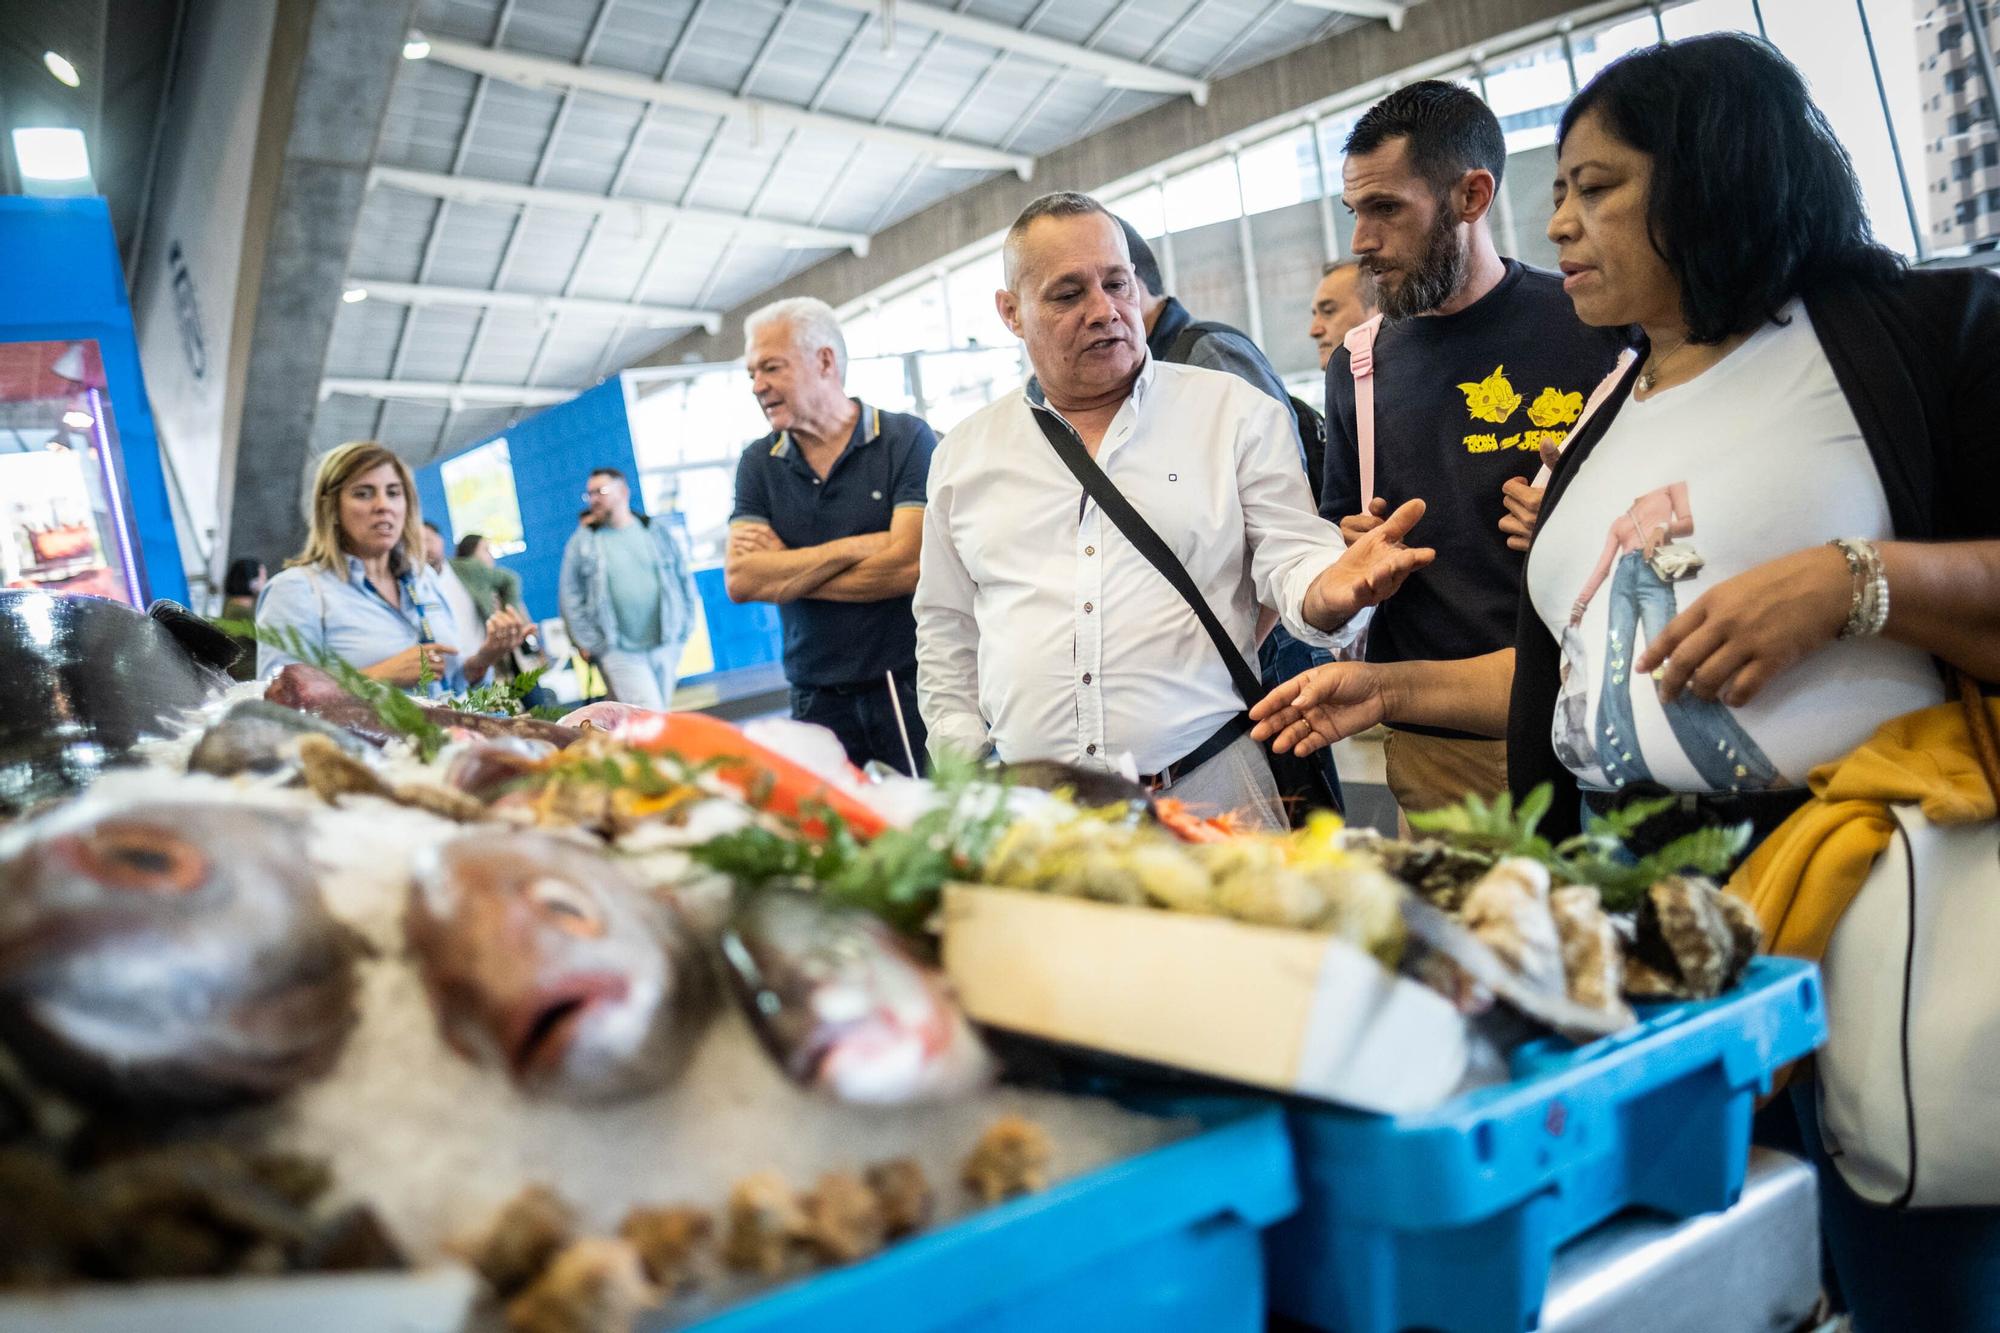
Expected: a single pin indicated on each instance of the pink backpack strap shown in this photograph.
(1595, 401)
(1360, 343)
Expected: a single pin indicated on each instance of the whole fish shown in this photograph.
(171, 952)
(259, 737)
(844, 1007)
(545, 959)
(82, 681)
(311, 690)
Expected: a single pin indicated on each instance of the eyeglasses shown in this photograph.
(595, 492)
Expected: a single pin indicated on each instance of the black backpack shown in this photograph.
(1306, 419)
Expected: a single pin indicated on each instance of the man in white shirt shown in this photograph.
(1041, 632)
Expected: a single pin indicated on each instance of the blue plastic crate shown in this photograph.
(1166, 1242)
(1449, 1220)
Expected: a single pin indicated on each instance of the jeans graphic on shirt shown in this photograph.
(1723, 754)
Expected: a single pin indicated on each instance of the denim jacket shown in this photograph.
(585, 593)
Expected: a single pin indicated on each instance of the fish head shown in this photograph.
(844, 1007)
(171, 949)
(545, 959)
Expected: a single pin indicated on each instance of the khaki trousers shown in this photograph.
(1425, 772)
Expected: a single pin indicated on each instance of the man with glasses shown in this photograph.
(828, 526)
(627, 594)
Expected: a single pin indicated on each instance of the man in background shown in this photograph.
(627, 594)
(828, 526)
(1480, 364)
(1344, 298)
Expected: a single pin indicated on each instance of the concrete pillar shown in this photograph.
(344, 69)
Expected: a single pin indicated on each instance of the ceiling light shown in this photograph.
(353, 294)
(78, 419)
(51, 154)
(62, 69)
(416, 49)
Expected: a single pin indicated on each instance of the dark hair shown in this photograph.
(1753, 200)
(611, 472)
(468, 545)
(1145, 266)
(434, 527)
(243, 572)
(1450, 131)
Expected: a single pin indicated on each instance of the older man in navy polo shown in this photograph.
(828, 525)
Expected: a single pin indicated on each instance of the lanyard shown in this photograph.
(409, 582)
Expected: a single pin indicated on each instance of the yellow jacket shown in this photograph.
(1802, 879)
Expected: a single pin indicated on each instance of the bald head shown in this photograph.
(1059, 204)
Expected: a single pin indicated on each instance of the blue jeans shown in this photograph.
(1920, 1270)
(864, 720)
(1279, 659)
(1723, 754)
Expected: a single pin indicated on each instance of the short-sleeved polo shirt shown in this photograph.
(883, 469)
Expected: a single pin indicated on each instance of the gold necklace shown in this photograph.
(1650, 376)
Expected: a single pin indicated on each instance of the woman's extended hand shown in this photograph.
(506, 630)
(1318, 707)
(407, 667)
(1746, 631)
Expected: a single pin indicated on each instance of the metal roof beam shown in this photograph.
(1390, 11)
(542, 72)
(473, 190)
(455, 394)
(1114, 70)
(427, 294)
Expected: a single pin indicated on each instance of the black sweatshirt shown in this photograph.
(1461, 403)
(1918, 358)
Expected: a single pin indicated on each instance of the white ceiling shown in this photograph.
(825, 56)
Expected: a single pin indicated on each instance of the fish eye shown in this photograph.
(142, 858)
(566, 907)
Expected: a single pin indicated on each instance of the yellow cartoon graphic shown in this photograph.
(1554, 408)
(1482, 444)
(1492, 399)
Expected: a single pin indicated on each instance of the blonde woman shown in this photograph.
(360, 589)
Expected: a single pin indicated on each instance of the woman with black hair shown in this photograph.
(1790, 499)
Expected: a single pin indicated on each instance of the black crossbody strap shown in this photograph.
(1149, 544)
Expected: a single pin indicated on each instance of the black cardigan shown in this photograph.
(1918, 357)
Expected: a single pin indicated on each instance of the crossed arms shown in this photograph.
(759, 567)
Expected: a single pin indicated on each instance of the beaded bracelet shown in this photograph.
(1868, 610)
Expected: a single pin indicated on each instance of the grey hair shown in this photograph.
(813, 325)
(1055, 204)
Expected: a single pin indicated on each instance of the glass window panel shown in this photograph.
(1526, 184)
(1528, 92)
(1595, 50)
(1143, 208)
(1289, 256)
(863, 332)
(1202, 195)
(975, 321)
(1279, 172)
(881, 380)
(957, 384)
(1700, 16)
(914, 321)
(1928, 80)
(1825, 42)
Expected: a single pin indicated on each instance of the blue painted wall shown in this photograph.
(59, 281)
(553, 452)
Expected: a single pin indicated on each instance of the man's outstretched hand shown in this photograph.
(1369, 572)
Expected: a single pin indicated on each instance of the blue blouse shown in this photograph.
(355, 623)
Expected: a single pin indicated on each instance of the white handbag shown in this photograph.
(1909, 1081)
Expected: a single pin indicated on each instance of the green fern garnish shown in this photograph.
(396, 710)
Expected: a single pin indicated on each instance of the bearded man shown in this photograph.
(1480, 369)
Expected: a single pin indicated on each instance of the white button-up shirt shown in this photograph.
(1043, 634)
